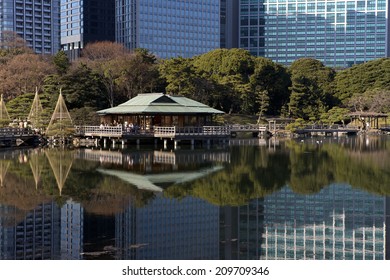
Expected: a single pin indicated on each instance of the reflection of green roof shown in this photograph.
(148, 182)
(159, 103)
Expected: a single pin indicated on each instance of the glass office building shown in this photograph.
(86, 21)
(36, 21)
(339, 33)
(169, 28)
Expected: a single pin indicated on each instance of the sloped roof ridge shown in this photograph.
(150, 93)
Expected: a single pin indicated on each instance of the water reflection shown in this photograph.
(303, 199)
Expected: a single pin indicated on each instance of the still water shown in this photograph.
(317, 198)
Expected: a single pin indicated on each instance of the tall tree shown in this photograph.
(364, 77)
(11, 45)
(311, 89)
(61, 62)
(274, 79)
(179, 75)
(103, 51)
(106, 59)
(230, 70)
(23, 73)
(139, 74)
(81, 87)
(262, 99)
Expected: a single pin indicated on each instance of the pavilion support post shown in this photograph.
(113, 143)
(175, 144)
(105, 142)
(165, 143)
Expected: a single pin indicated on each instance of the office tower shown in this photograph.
(36, 21)
(84, 22)
(229, 23)
(169, 28)
(338, 33)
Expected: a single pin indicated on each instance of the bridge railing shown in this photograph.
(10, 131)
(247, 127)
(216, 130)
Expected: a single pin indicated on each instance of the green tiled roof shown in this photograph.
(159, 103)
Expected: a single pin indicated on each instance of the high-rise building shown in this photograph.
(339, 33)
(169, 28)
(36, 21)
(84, 22)
(229, 23)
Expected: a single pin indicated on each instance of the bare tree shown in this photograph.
(23, 73)
(11, 44)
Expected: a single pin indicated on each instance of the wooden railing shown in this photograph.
(11, 132)
(108, 131)
(216, 130)
(247, 127)
(330, 127)
(172, 132)
(165, 131)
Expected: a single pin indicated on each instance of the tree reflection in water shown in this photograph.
(239, 178)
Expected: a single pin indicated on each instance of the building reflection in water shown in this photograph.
(72, 230)
(36, 237)
(337, 223)
(48, 232)
(169, 229)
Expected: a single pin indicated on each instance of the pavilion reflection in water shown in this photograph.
(283, 225)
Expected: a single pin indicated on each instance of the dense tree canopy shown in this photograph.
(23, 73)
(311, 90)
(364, 77)
(231, 80)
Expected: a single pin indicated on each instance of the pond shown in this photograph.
(312, 198)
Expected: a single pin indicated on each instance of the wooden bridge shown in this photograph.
(13, 137)
(385, 129)
(326, 130)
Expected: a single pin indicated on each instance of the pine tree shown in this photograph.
(61, 124)
(4, 117)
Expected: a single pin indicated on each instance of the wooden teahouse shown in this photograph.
(148, 110)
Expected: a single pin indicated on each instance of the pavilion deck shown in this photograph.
(171, 132)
